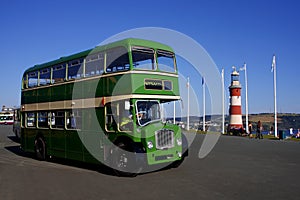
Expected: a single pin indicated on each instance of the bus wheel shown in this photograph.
(40, 149)
(124, 160)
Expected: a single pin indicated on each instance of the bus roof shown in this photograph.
(126, 42)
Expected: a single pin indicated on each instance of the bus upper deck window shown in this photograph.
(143, 58)
(24, 82)
(59, 74)
(117, 60)
(75, 70)
(166, 61)
(45, 76)
(33, 79)
(94, 64)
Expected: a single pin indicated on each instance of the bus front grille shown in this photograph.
(164, 139)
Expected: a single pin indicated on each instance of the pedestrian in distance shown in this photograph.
(271, 130)
(258, 130)
(250, 129)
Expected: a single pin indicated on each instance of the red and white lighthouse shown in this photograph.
(235, 109)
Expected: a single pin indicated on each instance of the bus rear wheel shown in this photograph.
(124, 160)
(40, 148)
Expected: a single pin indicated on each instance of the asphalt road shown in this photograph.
(237, 168)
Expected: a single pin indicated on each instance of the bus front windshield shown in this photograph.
(147, 112)
(143, 58)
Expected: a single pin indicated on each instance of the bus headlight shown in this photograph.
(149, 145)
(179, 154)
(179, 141)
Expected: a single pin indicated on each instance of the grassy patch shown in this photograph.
(294, 139)
(272, 137)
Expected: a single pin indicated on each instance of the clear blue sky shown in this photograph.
(232, 32)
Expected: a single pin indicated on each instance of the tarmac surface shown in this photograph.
(236, 168)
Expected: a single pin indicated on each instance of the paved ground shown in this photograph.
(237, 168)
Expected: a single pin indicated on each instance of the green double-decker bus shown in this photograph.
(104, 105)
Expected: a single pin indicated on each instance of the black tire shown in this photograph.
(177, 163)
(124, 160)
(185, 146)
(40, 148)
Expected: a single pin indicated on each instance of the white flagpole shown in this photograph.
(246, 96)
(174, 114)
(246, 90)
(188, 104)
(275, 97)
(203, 90)
(223, 103)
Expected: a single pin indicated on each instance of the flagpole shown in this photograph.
(223, 103)
(246, 97)
(275, 95)
(174, 114)
(188, 104)
(203, 89)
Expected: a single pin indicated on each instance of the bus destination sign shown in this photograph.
(156, 84)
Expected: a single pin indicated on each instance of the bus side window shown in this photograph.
(30, 119)
(94, 65)
(59, 73)
(32, 79)
(75, 70)
(45, 75)
(117, 60)
(24, 82)
(125, 116)
(58, 119)
(74, 119)
(110, 117)
(43, 120)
